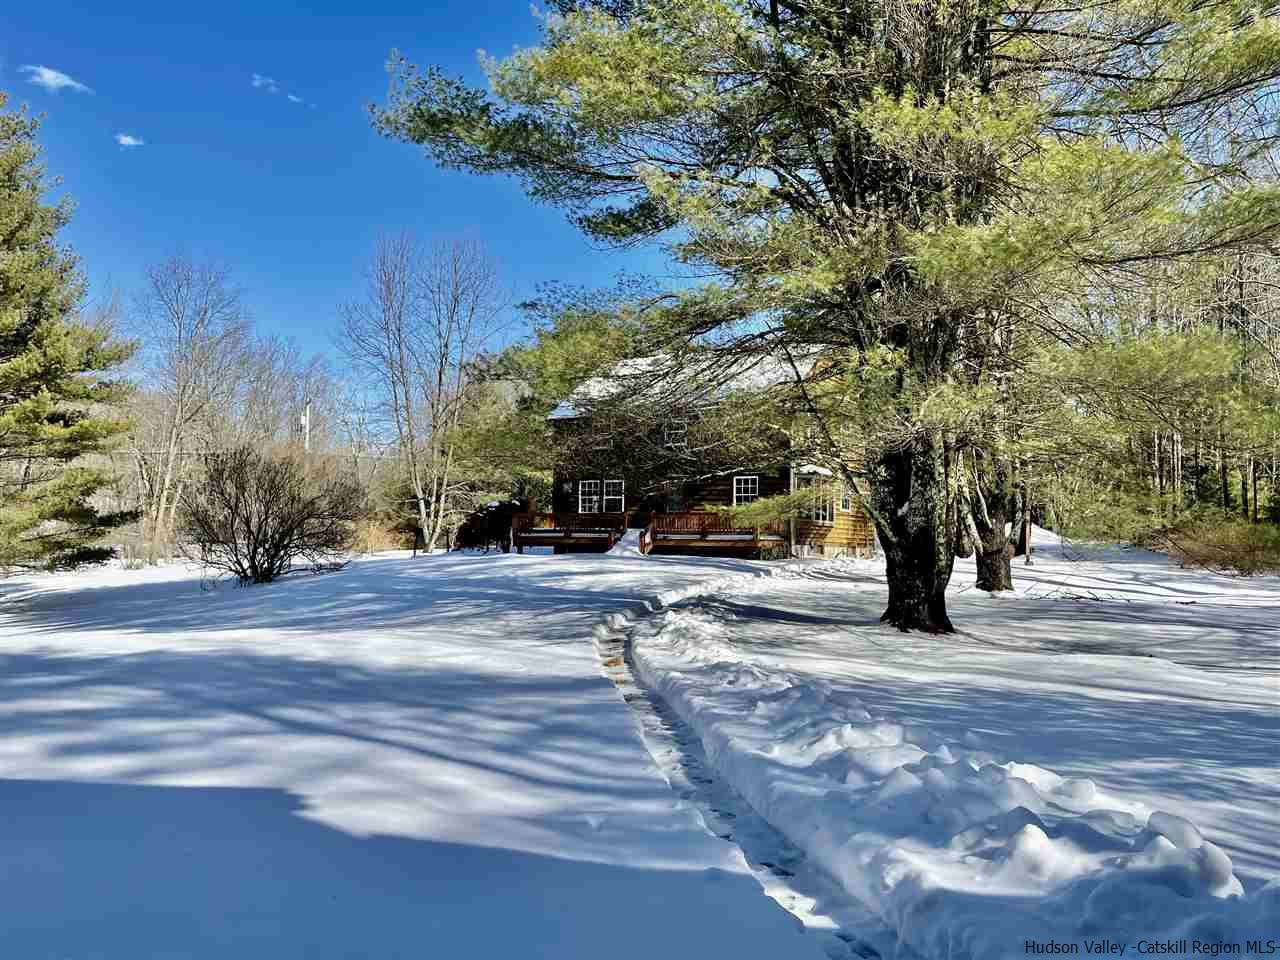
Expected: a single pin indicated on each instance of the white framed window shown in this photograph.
(675, 434)
(588, 496)
(822, 510)
(745, 489)
(615, 499)
(846, 500)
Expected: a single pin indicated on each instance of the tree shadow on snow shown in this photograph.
(122, 872)
(163, 713)
(1101, 717)
(431, 592)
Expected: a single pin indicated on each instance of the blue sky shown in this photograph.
(289, 194)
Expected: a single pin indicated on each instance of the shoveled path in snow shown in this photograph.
(845, 929)
(409, 758)
(913, 768)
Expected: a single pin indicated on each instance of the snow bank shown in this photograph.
(963, 854)
(628, 546)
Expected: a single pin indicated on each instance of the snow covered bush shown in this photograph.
(253, 514)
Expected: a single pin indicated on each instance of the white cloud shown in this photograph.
(129, 140)
(52, 80)
(261, 81)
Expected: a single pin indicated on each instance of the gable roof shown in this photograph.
(708, 378)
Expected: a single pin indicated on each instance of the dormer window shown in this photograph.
(675, 434)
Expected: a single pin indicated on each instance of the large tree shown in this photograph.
(424, 318)
(889, 181)
(195, 354)
(55, 394)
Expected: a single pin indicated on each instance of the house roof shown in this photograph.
(705, 379)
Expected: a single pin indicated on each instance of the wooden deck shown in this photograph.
(584, 532)
(692, 532)
(706, 532)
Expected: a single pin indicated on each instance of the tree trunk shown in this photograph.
(1022, 542)
(1196, 475)
(967, 536)
(171, 525)
(912, 498)
(1253, 478)
(419, 497)
(424, 520)
(996, 492)
(443, 493)
(995, 572)
(1222, 477)
(1177, 473)
(1156, 486)
(995, 553)
(158, 511)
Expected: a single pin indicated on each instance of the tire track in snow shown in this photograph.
(844, 928)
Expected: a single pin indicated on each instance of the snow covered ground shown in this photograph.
(421, 758)
(409, 758)
(1095, 757)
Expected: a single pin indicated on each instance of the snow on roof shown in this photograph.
(601, 388)
(707, 378)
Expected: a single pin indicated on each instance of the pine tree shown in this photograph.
(55, 400)
(887, 180)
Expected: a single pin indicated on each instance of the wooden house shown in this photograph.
(592, 507)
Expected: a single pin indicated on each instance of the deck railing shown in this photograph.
(567, 529)
(581, 522)
(704, 529)
(707, 523)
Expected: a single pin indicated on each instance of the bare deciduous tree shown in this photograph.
(194, 336)
(359, 433)
(279, 387)
(423, 318)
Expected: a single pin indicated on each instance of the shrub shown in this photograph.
(1226, 544)
(254, 515)
(376, 536)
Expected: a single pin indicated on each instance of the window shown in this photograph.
(614, 498)
(588, 496)
(822, 510)
(745, 489)
(846, 500)
(675, 433)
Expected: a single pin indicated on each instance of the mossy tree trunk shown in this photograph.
(995, 509)
(913, 499)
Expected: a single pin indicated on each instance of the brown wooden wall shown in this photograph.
(718, 491)
(850, 531)
(566, 501)
(698, 495)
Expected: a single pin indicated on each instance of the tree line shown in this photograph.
(167, 423)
